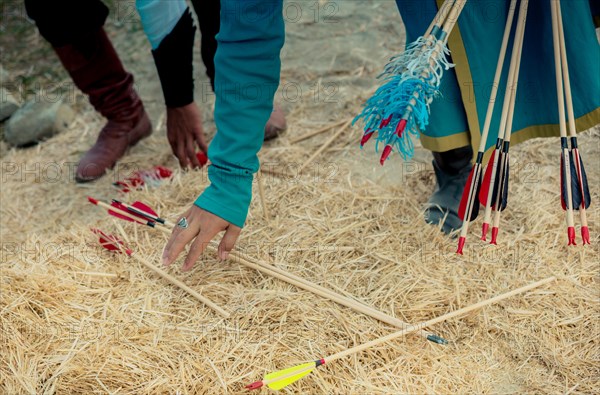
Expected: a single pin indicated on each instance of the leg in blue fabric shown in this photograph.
(452, 170)
(447, 117)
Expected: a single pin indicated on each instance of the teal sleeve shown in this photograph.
(247, 75)
(159, 17)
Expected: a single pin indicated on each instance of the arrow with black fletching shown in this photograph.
(569, 191)
(112, 243)
(281, 379)
(469, 205)
(580, 188)
(496, 182)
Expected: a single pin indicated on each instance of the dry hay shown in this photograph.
(77, 319)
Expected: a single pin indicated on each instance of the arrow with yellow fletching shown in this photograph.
(283, 378)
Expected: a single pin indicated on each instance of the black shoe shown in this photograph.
(442, 207)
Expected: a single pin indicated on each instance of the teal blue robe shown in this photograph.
(457, 116)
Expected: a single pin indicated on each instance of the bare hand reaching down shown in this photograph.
(203, 226)
(185, 132)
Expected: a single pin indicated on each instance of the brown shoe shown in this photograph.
(114, 140)
(96, 69)
(276, 123)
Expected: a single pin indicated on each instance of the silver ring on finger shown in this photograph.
(183, 223)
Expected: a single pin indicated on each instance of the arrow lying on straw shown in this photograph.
(283, 378)
(494, 188)
(469, 205)
(112, 243)
(575, 195)
(273, 271)
(400, 107)
(142, 210)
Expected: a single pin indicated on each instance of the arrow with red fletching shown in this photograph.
(469, 205)
(150, 218)
(112, 243)
(494, 189)
(117, 209)
(142, 210)
(580, 191)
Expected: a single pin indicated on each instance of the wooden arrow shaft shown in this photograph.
(439, 319)
(300, 283)
(182, 285)
(324, 292)
(414, 328)
(471, 199)
(497, 76)
(504, 131)
(171, 279)
(517, 54)
(554, 7)
(488, 119)
(570, 111)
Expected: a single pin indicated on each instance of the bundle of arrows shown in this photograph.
(400, 107)
(141, 213)
(492, 191)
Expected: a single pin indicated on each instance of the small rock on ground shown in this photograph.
(36, 121)
(4, 76)
(8, 104)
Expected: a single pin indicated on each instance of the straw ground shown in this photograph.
(77, 319)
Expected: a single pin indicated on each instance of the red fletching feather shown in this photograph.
(400, 127)
(563, 192)
(464, 201)
(120, 206)
(110, 242)
(202, 158)
(386, 152)
(487, 178)
(145, 208)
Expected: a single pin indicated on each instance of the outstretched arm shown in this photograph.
(247, 75)
(170, 29)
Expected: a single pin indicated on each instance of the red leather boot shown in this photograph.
(96, 69)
